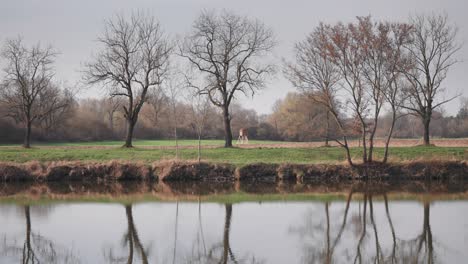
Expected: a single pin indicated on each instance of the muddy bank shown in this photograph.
(74, 171)
(207, 172)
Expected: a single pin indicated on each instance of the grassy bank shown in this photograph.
(236, 156)
(141, 143)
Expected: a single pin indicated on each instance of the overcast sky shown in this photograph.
(73, 26)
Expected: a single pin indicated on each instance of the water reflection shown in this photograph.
(131, 241)
(319, 243)
(218, 252)
(36, 248)
(195, 189)
(365, 227)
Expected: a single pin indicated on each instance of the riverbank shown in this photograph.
(236, 156)
(184, 171)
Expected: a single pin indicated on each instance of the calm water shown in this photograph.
(362, 231)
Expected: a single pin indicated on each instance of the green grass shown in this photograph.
(238, 156)
(231, 198)
(236, 197)
(141, 143)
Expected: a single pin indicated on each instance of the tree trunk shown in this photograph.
(348, 156)
(174, 116)
(364, 145)
(371, 149)
(27, 136)
(345, 144)
(176, 141)
(199, 148)
(426, 122)
(227, 128)
(348, 153)
(111, 124)
(371, 139)
(328, 129)
(364, 139)
(129, 137)
(389, 137)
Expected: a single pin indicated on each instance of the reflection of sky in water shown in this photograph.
(276, 232)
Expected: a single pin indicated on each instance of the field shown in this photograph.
(256, 151)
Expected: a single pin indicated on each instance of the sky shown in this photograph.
(72, 27)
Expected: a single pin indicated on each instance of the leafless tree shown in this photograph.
(27, 88)
(432, 52)
(396, 63)
(174, 89)
(58, 118)
(380, 44)
(314, 71)
(226, 49)
(111, 107)
(373, 42)
(356, 67)
(346, 53)
(158, 101)
(134, 59)
(200, 108)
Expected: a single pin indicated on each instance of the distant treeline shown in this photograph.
(295, 118)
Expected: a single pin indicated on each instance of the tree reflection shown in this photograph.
(175, 233)
(227, 253)
(29, 256)
(132, 241)
(358, 258)
(219, 253)
(392, 229)
(320, 242)
(37, 248)
(421, 248)
(313, 233)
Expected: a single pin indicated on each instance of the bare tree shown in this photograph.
(344, 50)
(396, 63)
(380, 44)
(173, 89)
(432, 51)
(27, 89)
(314, 71)
(133, 60)
(111, 107)
(200, 108)
(373, 42)
(355, 67)
(57, 119)
(225, 48)
(158, 101)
